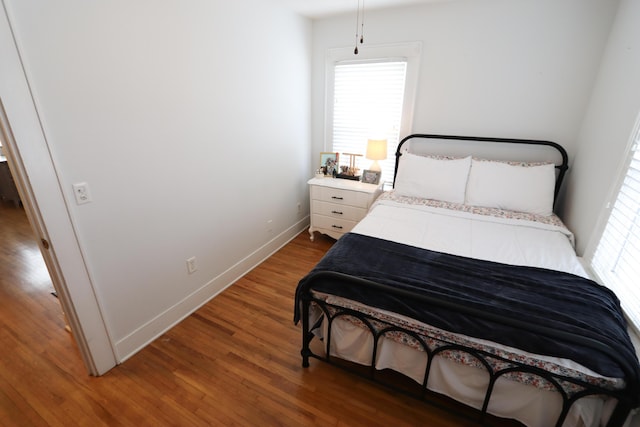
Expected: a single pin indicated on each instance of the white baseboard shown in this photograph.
(147, 333)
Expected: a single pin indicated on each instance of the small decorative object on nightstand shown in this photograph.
(329, 163)
(351, 171)
(337, 205)
(371, 177)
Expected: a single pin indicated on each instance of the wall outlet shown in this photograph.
(270, 226)
(191, 265)
(299, 207)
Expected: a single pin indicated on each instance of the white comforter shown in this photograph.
(493, 238)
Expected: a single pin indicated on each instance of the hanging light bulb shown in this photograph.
(359, 25)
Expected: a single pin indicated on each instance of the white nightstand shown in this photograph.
(338, 204)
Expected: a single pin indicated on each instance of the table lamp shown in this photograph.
(376, 150)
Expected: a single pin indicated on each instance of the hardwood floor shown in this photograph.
(234, 362)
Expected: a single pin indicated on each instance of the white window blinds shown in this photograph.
(367, 104)
(616, 259)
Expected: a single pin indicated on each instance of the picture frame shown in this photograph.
(329, 163)
(371, 177)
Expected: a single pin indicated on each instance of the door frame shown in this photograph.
(41, 191)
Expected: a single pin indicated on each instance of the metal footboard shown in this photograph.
(570, 389)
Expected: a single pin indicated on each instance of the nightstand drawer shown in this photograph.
(337, 205)
(335, 210)
(340, 196)
(337, 225)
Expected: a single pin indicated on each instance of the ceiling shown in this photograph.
(321, 8)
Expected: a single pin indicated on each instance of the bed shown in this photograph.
(464, 281)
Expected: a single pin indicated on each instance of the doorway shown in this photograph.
(46, 206)
(80, 311)
(29, 306)
(24, 277)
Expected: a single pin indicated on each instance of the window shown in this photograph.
(370, 96)
(367, 103)
(616, 259)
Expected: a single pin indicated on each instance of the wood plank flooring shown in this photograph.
(235, 361)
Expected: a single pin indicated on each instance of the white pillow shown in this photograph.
(432, 178)
(521, 188)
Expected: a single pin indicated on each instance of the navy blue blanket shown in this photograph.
(557, 300)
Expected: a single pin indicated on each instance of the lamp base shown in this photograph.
(375, 166)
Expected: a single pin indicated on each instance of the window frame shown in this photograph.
(633, 146)
(409, 51)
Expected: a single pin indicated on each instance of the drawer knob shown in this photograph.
(337, 198)
(339, 227)
(336, 212)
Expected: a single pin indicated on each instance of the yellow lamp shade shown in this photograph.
(376, 150)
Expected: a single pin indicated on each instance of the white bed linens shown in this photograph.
(482, 233)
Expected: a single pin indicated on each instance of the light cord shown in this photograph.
(355, 51)
(362, 23)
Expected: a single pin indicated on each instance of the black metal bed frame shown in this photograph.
(628, 398)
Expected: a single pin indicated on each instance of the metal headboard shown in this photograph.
(485, 147)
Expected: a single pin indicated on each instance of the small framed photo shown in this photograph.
(329, 163)
(371, 177)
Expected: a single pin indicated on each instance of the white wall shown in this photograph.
(188, 120)
(521, 69)
(607, 127)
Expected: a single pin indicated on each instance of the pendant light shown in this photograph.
(359, 25)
